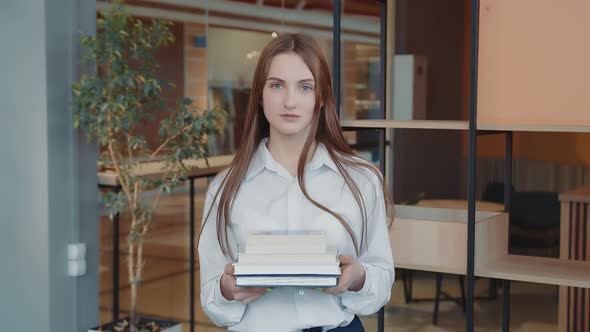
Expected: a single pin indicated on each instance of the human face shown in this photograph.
(288, 97)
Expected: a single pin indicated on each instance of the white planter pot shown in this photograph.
(173, 326)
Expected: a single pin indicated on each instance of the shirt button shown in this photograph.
(301, 292)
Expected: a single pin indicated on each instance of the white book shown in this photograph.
(280, 237)
(293, 281)
(287, 248)
(287, 259)
(293, 269)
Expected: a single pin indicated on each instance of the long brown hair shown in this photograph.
(325, 128)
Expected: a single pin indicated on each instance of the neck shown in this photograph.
(286, 150)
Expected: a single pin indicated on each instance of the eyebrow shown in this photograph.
(283, 81)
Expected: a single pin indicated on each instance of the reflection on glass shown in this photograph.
(231, 60)
(365, 143)
(236, 35)
(360, 66)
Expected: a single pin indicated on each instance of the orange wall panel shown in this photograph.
(533, 62)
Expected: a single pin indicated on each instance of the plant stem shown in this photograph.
(124, 184)
(163, 145)
(132, 278)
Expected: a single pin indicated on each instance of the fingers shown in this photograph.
(244, 295)
(228, 283)
(346, 260)
(339, 289)
(342, 286)
(229, 269)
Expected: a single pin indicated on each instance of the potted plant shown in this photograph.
(111, 105)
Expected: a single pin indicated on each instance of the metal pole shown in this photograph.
(507, 193)
(192, 253)
(336, 53)
(469, 325)
(116, 263)
(508, 172)
(382, 103)
(506, 306)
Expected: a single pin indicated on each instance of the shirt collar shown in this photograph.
(263, 159)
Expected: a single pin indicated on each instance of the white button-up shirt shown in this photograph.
(270, 199)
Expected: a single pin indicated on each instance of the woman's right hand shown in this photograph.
(231, 292)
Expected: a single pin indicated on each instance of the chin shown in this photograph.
(290, 131)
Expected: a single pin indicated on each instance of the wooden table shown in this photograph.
(108, 180)
(459, 204)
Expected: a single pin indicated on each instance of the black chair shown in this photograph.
(534, 223)
(534, 220)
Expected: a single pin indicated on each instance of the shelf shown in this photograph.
(538, 269)
(581, 195)
(536, 128)
(458, 125)
(409, 124)
(216, 164)
(429, 268)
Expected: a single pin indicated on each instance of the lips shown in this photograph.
(290, 116)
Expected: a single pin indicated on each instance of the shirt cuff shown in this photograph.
(219, 298)
(365, 289)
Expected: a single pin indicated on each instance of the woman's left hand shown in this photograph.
(352, 277)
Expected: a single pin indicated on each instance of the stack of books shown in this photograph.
(276, 259)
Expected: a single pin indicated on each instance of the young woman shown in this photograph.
(294, 171)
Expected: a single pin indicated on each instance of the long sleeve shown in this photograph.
(212, 262)
(377, 259)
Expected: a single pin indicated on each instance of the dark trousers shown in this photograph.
(355, 326)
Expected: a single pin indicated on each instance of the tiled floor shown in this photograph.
(164, 292)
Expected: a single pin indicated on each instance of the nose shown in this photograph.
(289, 101)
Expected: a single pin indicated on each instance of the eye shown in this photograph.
(275, 86)
(306, 87)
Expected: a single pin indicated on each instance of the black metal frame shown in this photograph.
(440, 295)
(473, 133)
(337, 12)
(192, 253)
(115, 254)
(336, 53)
(469, 324)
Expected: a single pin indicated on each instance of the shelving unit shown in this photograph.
(475, 243)
(506, 103)
(529, 89)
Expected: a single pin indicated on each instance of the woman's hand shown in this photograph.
(351, 279)
(231, 292)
